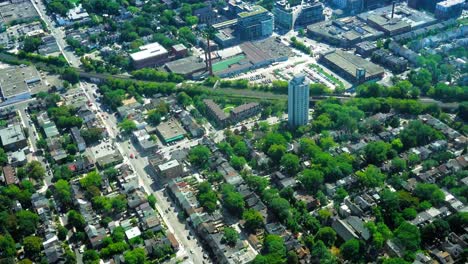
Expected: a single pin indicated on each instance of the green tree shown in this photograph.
(31, 44)
(257, 183)
(62, 233)
(27, 222)
(62, 192)
(408, 236)
(3, 157)
(376, 152)
(7, 246)
(230, 236)
(274, 245)
(35, 170)
(241, 149)
(127, 126)
(135, 256)
(232, 200)
(327, 235)
(290, 163)
(350, 250)
(417, 134)
(429, 192)
(184, 99)
(280, 207)
(76, 220)
(312, 179)
(395, 261)
(152, 201)
(90, 256)
(154, 117)
(238, 163)
(371, 177)
(253, 220)
(32, 246)
(70, 75)
(199, 156)
(276, 152)
(91, 179)
(91, 135)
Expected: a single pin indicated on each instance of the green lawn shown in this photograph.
(332, 78)
(228, 108)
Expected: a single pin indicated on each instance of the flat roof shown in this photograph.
(448, 3)
(170, 130)
(350, 63)
(148, 51)
(11, 134)
(18, 80)
(133, 232)
(168, 165)
(186, 65)
(252, 11)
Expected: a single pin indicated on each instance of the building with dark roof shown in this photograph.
(392, 62)
(191, 67)
(13, 138)
(216, 113)
(10, 175)
(351, 67)
(78, 139)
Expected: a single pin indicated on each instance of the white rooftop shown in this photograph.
(448, 3)
(133, 232)
(148, 51)
(168, 165)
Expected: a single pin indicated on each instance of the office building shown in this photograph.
(150, 55)
(255, 22)
(310, 12)
(306, 13)
(298, 101)
(284, 15)
(449, 9)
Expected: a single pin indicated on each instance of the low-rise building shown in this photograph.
(78, 139)
(150, 55)
(13, 138)
(170, 131)
(171, 169)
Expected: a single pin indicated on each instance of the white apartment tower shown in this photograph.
(298, 101)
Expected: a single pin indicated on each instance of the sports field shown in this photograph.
(223, 65)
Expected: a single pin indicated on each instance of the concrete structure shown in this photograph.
(150, 55)
(244, 111)
(429, 5)
(171, 169)
(286, 16)
(351, 67)
(344, 32)
(298, 101)
(365, 48)
(19, 82)
(255, 22)
(144, 140)
(449, 9)
(13, 138)
(191, 67)
(170, 131)
(350, 6)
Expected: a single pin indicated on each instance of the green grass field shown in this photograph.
(223, 65)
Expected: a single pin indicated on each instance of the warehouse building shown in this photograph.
(13, 138)
(351, 67)
(150, 55)
(344, 32)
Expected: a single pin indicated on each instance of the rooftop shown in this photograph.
(18, 80)
(170, 130)
(168, 165)
(148, 51)
(186, 66)
(350, 63)
(12, 134)
(252, 11)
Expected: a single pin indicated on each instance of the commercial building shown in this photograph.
(171, 169)
(350, 6)
(170, 131)
(344, 32)
(19, 83)
(397, 19)
(144, 140)
(150, 55)
(298, 101)
(351, 67)
(449, 9)
(255, 22)
(429, 5)
(13, 138)
(191, 67)
(365, 48)
(287, 16)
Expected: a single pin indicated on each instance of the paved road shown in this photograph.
(139, 166)
(57, 32)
